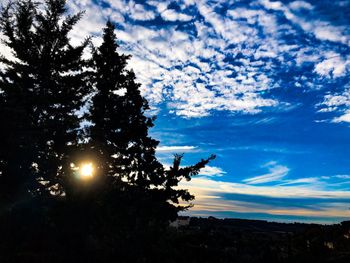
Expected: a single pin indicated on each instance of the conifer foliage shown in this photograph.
(42, 87)
(119, 135)
(18, 145)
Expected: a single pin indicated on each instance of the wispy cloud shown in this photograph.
(308, 180)
(305, 202)
(207, 185)
(322, 30)
(172, 15)
(343, 118)
(342, 176)
(276, 173)
(334, 65)
(212, 171)
(338, 103)
(184, 148)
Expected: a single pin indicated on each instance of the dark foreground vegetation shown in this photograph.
(236, 240)
(210, 240)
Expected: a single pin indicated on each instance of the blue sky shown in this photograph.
(262, 84)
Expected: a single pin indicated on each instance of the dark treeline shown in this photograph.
(255, 241)
(48, 212)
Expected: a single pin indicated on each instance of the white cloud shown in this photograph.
(90, 24)
(321, 181)
(273, 5)
(160, 6)
(189, 2)
(184, 148)
(343, 118)
(296, 5)
(334, 65)
(308, 180)
(338, 102)
(211, 171)
(138, 12)
(342, 176)
(172, 15)
(276, 173)
(230, 30)
(322, 30)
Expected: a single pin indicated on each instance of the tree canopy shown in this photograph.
(42, 88)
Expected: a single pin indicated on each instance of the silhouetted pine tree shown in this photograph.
(174, 175)
(119, 136)
(18, 135)
(42, 89)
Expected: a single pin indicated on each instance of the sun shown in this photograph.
(86, 170)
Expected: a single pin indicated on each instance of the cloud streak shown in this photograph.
(212, 171)
(174, 148)
(306, 202)
(276, 173)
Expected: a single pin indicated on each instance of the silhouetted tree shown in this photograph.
(18, 143)
(174, 175)
(43, 87)
(137, 196)
(119, 135)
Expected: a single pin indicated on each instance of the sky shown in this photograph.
(264, 85)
